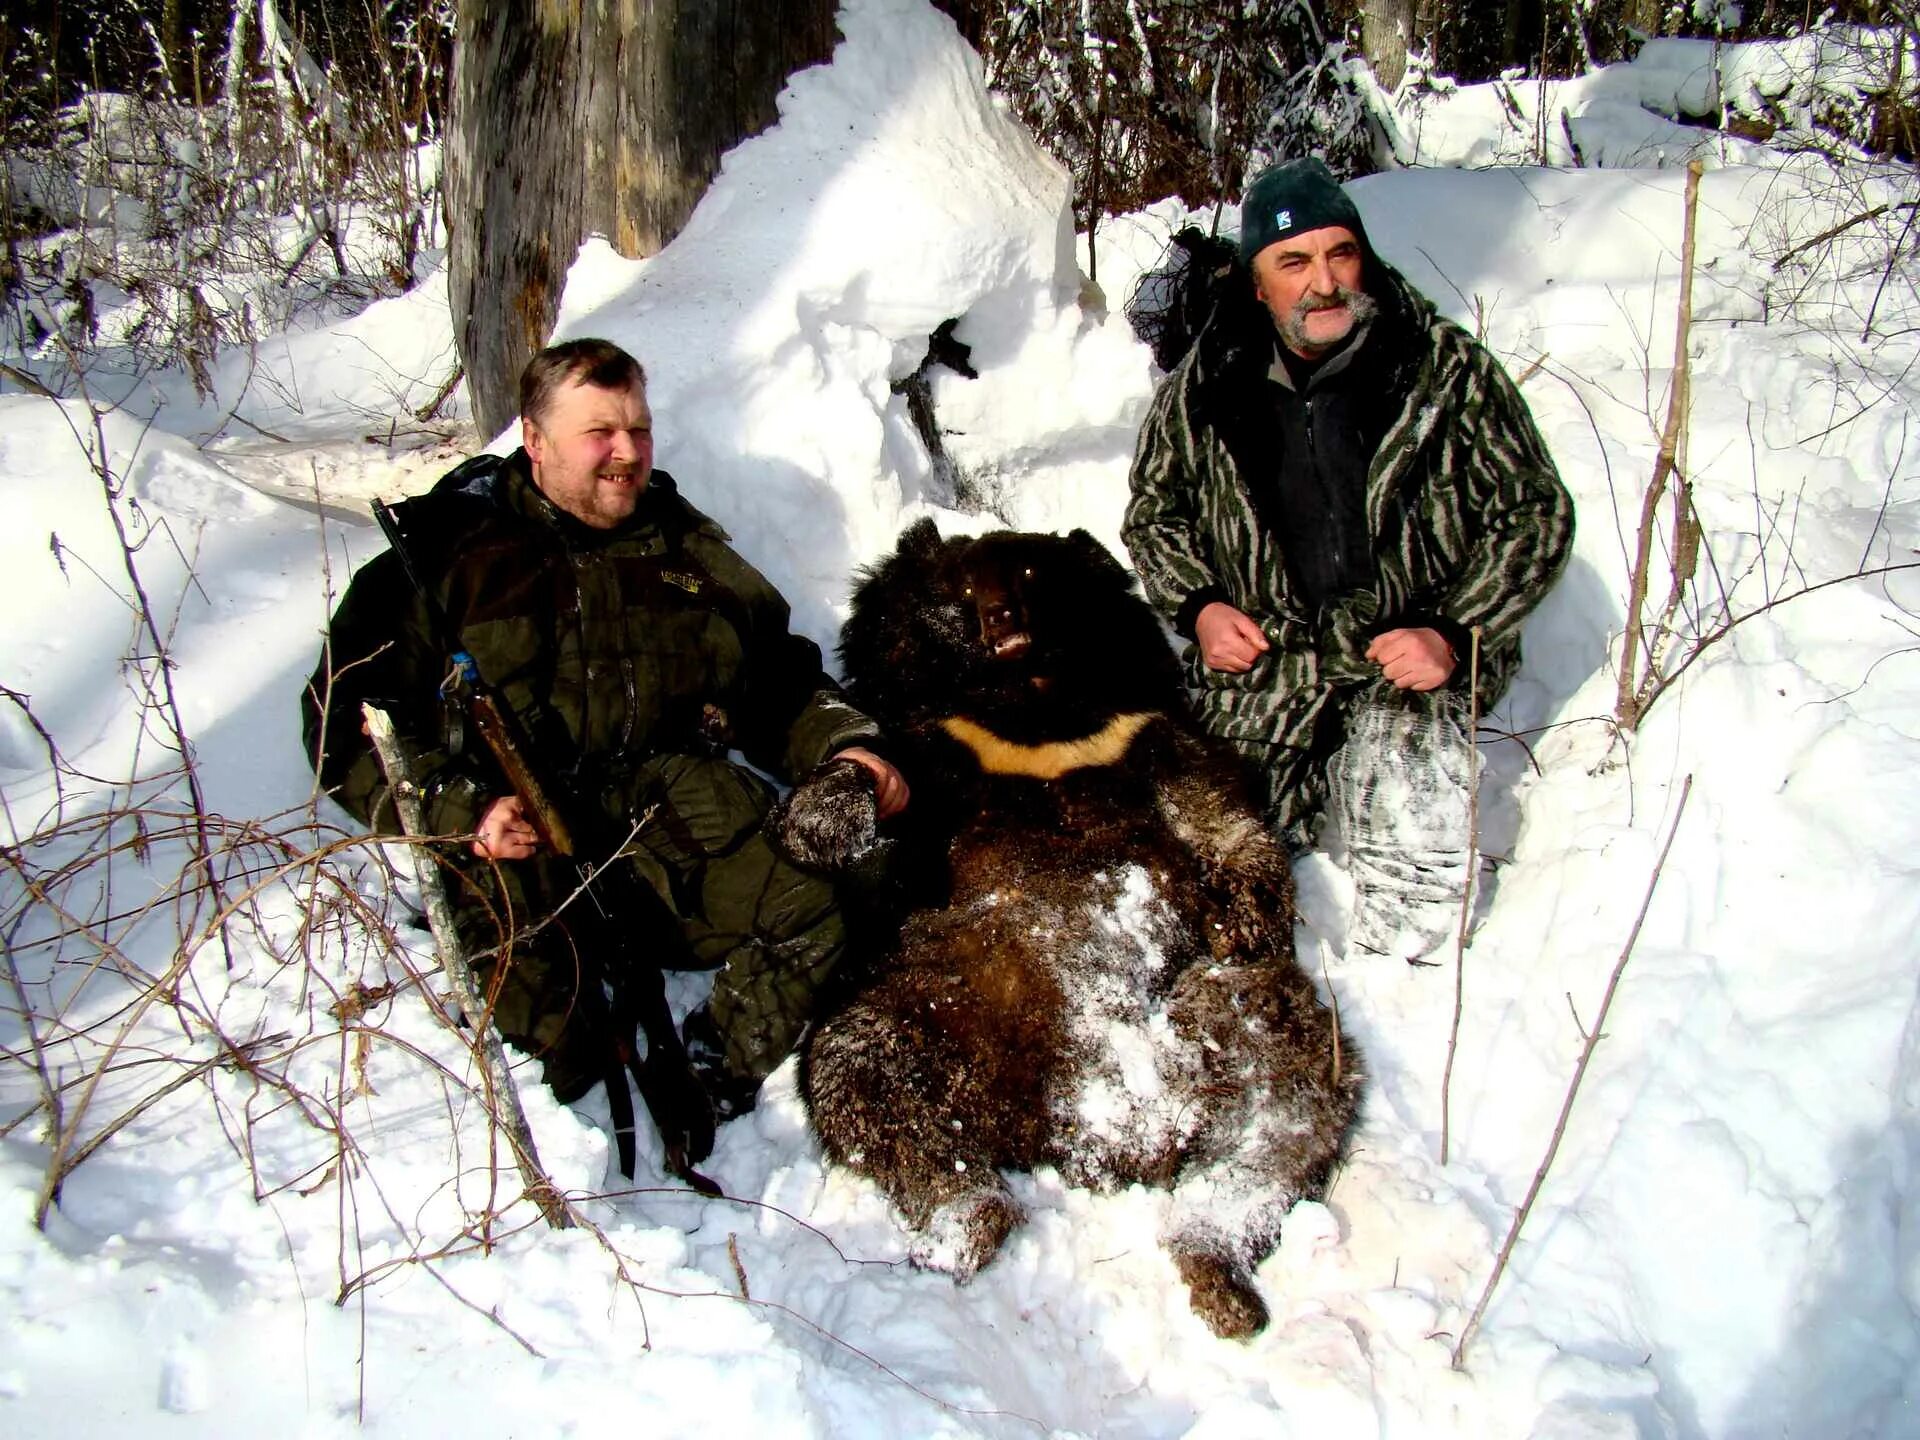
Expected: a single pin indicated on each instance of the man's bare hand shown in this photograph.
(505, 831)
(889, 785)
(1413, 659)
(1229, 640)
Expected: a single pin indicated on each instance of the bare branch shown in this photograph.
(501, 1091)
(1593, 1038)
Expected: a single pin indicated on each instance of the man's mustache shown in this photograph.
(1356, 302)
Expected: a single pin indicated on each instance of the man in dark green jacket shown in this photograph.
(637, 649)
(1332, 492)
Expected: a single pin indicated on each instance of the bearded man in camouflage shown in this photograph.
(1334, 490)
(637, 649)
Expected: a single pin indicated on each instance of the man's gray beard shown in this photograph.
(1361, 306)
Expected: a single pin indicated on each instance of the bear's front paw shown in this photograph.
(829, 822)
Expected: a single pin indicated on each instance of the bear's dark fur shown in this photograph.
(1096, 969)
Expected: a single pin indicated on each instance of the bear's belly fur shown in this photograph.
(1073, 1004)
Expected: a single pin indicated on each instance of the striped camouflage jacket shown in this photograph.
(1468, 519)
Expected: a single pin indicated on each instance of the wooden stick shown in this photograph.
(1466, 896)
(503, 1095)
(432, 407)
(1630, 697)
(1594, 1036)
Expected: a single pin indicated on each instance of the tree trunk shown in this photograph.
(1511, 49)
(573, 118)
(1386, 30)
(1642, 15)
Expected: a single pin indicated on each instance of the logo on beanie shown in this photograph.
(1283, 219)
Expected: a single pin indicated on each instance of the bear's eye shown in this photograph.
(968, 592)
(1027, 574)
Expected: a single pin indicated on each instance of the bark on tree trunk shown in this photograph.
(1386, 29)
(1641, 15)
(579, 117)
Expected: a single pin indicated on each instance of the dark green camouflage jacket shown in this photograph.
(614, 648)
(1468, 519)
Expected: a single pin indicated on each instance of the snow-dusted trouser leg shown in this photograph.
(1400, 788)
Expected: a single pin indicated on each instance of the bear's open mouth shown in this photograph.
(1008, 646)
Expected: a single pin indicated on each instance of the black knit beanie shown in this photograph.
(1292, 197)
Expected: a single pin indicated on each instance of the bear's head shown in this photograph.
(1034, 636)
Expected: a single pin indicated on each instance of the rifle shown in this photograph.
(624, 908)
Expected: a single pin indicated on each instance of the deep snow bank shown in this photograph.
(893, 195)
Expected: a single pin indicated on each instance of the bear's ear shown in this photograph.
(1099, 560)
(920, 540)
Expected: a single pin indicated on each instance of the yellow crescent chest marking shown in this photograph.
(1050, 761)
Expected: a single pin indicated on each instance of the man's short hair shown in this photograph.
(600, 363)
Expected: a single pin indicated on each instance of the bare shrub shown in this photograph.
(1183, 98)
(160, 224)
(166, 968)
(1682, 600)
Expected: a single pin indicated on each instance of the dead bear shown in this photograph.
(1095, 968)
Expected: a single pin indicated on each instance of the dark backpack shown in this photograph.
(1172, 303)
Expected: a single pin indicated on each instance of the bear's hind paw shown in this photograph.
(964, 1234)
(1222, 1293)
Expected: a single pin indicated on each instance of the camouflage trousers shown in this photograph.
(1393, 770)
(772, 934)
(1401, 787)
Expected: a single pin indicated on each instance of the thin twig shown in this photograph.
(1593, 1038)
(1833, 231)
(1886, 274)
(1728, 626)
(1574, 1011)
(739, 1270)
(432, 407)
(22, 378)
(1886, 496)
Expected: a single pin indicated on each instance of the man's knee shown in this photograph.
(538, 1001)
(783, 937)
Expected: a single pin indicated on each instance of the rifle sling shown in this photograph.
(620, 1108)
(640, 1001)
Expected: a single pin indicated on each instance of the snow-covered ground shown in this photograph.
(1729, 1242)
